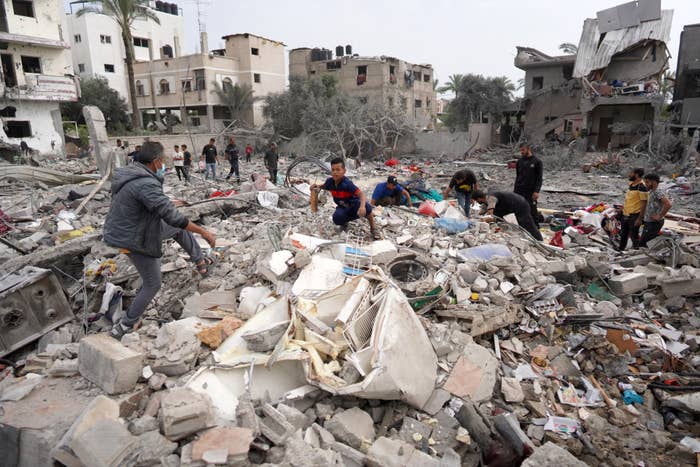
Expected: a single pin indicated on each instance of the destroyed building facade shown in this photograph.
(97, 47)
(686, 94)
(612, 95)
(375, 80)
(36, 74)
(169, 85)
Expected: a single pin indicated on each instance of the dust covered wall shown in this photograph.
(38, 117)
(620, 114)
(557, 103)
(551, 76)
(436, 143)
(637, 64)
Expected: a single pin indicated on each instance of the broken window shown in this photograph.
(18, 129)
(139, 88)
(392, 74)
(537, 82)
(361, 75)
(8, 111)
(418, 103)
(416, 75)
(426, 78)
(568, 72)
(140, 42)
(221, 112)
(81, 68)
(105, 39)
(199, 80)
(335, 65)
(23, 8)
(31, 64)
(8, 70)
(227, 84)
(77, 38)
(600, 40)
(164, 86)
(109, 68)
(187, 85)
(254, 51)
(166, 52)
(256, 77)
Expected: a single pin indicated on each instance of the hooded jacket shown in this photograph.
(138, 209)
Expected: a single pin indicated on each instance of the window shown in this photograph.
(77, 38)
(254, 51)
(166, 52)
(140, 42)
(18, 129)
(23, 8)
(418, 103)
(109, 68)
(187, 85)
(390, 101)
(426, 78)
(105, 39)
(195, 121)
(334, 65)
(139, 88)
(81, 68)
(31, 64)
(361, 75)
(164, 86)
(199, 80)
(9, 111)
(392, 74)
(256, 77)
(416, 75)
(227, 84)
(537, 82)
(8, 70)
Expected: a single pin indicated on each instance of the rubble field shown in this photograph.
(450, 342)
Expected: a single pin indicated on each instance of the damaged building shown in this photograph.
(686, 94)
(381, 80)
(36, 74)
(610, 90)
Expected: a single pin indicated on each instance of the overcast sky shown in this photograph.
(455, 36)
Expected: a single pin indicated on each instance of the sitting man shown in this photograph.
(139, 219)
(350, 200)
(390, 193)
(502, 203)
(464, 184)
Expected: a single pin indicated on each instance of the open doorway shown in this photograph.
(8, 70)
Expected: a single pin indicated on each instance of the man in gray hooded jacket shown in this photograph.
(140, 218)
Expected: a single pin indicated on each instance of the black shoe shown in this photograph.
(119, 329)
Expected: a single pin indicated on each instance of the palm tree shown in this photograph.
(668, 81)
(568, 48)
(452, 85)
(238, 98)
(521, 84)
(124, 13)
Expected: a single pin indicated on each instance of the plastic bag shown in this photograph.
(453, 226)
(485, 252)
(427, 208)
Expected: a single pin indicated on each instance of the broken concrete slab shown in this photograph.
(552, 454)
(628, 283)
(235, 441)
(177, 346)
(382, 251)
(386, 452)
(152, 446)
(437, 400)
(108, 364)
(508, 426)
(511, 390)
(414, 432)
(352, 427)
(183, 412)
(275, 426)
(300, 454)
(93, 450)
(474, 374)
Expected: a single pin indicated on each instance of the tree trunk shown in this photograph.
(135, 113)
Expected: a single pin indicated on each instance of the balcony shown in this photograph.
(45, 88)
(32, 41)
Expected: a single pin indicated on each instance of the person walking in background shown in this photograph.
(464, 183)
(231, 152)
(211, 158)
(528, 179)
(271, 159)
(635, 204)
(248, 152)
(186, 162)
(179, 163)
(656, 208)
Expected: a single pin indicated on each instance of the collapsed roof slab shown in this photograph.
(596, 49)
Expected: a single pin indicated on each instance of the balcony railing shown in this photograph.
(45, 88)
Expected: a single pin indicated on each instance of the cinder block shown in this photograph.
(106, 444)
(108, 364)
(183, 412)
(628, 283)
(509, 427)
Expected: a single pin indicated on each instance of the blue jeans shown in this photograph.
(347, 213)
(210, 167)
(465, 201)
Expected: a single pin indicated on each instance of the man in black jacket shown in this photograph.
(528, 179)
(139, 219)
(502, 203)
(271, 159)
(232, 156)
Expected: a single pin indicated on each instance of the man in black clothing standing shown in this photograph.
(232, 155)
(528, 179)
(271, 159)
(187, 162)
(211, 157)
(502, 203)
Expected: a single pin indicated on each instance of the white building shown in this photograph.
(98, 49)
(36, 74)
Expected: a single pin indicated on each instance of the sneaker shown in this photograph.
(119, 329)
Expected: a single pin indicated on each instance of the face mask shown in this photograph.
(161, 171)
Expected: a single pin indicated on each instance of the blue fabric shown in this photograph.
(344, 193)
(210, 167)
(382, 191)
(465, 201)
(347, 213)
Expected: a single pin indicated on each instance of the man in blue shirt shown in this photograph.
(390, 193)
(351, 203)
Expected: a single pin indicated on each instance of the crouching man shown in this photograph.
(502, 203)
(390, 193)
(139, 219)
(350, 201)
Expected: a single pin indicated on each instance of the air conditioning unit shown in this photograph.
(633, 89)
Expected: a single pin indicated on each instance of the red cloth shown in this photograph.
(558, 239)
(427, 208)
(222, 194)
(4, 223)
(391, 162)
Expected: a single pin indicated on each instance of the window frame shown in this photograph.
(255, 51)
(109, 65)
(105, 39)
(257, 78)
(81, 68)
(24, 66)
(29, 3)
(11, 123)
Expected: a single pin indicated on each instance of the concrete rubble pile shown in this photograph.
(311, 346)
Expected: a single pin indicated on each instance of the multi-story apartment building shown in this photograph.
(98, 49)
(383, 80)
(36, 74)
(184, 86)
